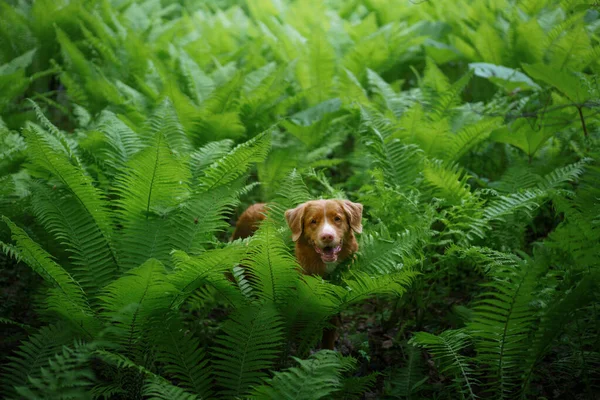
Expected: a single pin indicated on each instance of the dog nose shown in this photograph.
(326, 237)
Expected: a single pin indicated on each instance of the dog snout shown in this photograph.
(326, 237)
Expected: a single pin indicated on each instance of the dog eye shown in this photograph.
(337, 219)
(313, 221)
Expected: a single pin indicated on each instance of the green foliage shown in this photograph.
(134, 133)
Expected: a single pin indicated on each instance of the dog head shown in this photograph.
(326, 225)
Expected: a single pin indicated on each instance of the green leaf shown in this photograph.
(507, 78)
(247, 347)
(524, 136)
(564, 81)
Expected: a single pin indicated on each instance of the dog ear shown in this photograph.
(294, 218)
(354, 214)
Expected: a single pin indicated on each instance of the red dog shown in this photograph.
(324, 234)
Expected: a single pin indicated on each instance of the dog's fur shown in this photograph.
(319, 225)
(323, 231)
(249, 221)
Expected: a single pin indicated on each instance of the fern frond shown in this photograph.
(293, 191)
(206, 268)
(121, 142)
(72, 226)
(67, 375)
(502, 321)
(153, 184)
(50, 127)
(526, 200)
(43, 155)
(274, 273)
(67, 297)
(165, 121)
(448, 99)
(316, 69)
(159, 390)
(407, 381)
(183, 358)
(446, 349)
(314, 378)
(556, 318)
(234, 165)
(447, 181)
(248, 345)
(379, 256)
(208, 154)
(563, 174)
(360, 286)
(31, 355)
(469, 137)
(131, 301)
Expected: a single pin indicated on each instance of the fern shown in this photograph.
(70, 224)
(202, 216)
(408, 380)
(235, 163)
(248, 345)
(184, 359)
(273, 272)
(501, 324)
(153, 184)
(132, 300)
(66, 296)
(379, 256)
(446, 348)
(207, 268)
(314, 378)
(67, 376)
(31, 355)
(43, 155)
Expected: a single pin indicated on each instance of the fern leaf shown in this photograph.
(207, 268)
(379, 257)
(407, 381)
(315, 378)
(70, 224)
(447, 181)
(31, 355)
(164, 121)
(273, 271)
(67, 298)
(316, 69)
(446, 348)
(208, 154)
(120, 140)
(502, 321)
(469, 137)
(526, 200)
(160, 390)
(184, 359)
(43, 155)
(154, 183)
(247, 347)
(203, 216)
(67, 375)
(360, 286)
(231, 167)
(131, 301)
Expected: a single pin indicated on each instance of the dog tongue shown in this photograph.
(329, 254)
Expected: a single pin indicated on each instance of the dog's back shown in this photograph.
(249, 221)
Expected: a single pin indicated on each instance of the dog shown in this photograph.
(323, 232)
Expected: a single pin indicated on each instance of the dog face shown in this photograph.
(325, 225)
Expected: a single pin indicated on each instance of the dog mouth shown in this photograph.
(329, 253)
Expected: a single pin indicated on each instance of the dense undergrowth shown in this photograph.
(133, 133)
